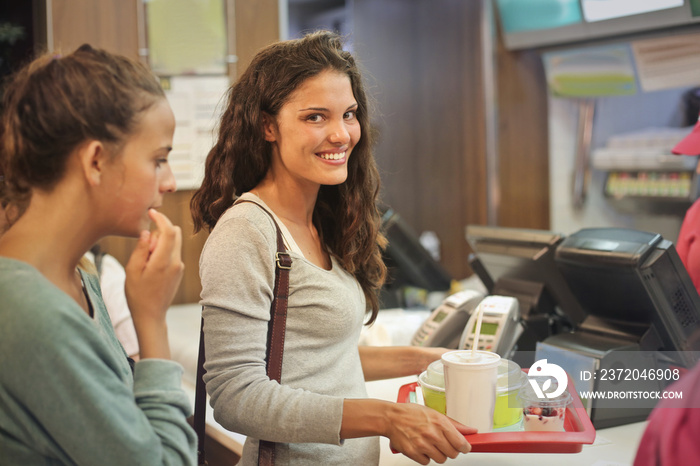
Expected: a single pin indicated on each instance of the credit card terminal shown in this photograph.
(500, 326)
(445, 324)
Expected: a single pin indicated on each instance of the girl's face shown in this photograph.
(314, 132)
(140, 173)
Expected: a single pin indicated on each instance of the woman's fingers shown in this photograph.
(166, 242)
(449, 443)
(139, 256)
(423, 434)
(155, 268)
(456, 438)
(163, 238)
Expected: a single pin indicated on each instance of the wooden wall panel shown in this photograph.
(108, 24)
(523, 143)
(424, 60)
(257, 25)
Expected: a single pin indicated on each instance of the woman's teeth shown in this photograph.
(336, 156)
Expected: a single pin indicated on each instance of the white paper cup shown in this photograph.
(470, 387)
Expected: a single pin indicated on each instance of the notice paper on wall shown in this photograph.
(590, 71)
(197, 102)
(668, 62)
(186, 37)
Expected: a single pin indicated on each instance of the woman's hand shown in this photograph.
(426, 355)
(418, 432)
(153, 274)
(423, 434)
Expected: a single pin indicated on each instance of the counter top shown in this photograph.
(614, 446)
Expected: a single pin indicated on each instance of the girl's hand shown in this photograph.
(153, 275)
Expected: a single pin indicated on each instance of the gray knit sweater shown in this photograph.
(321, 361)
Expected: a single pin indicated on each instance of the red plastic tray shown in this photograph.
(578, 430)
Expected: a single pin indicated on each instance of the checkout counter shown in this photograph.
(613, 446)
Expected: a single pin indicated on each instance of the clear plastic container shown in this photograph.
(508, 410)
(436, 374)
(433, 395)
(543, 414)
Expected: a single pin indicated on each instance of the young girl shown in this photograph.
(295, 140)
(84, 152)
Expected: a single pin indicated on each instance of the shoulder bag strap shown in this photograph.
(200, 400)
(275, 347)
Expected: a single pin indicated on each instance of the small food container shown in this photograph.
(543, 414)
(433, 395)
(508, 410)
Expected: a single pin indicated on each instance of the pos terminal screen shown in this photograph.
(439, 317)
(487, 328)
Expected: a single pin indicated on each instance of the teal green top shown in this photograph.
(67, 393)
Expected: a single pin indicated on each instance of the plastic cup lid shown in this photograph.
(424, 382)
(436, 373)
(464, 357)
(510, 376)
(436, 367)
(528, 396)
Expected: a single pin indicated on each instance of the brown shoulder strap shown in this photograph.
(200, 400)
(275, 347)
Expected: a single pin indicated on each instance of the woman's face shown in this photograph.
(140, 174)
(315, 131)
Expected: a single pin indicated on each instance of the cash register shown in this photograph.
(642, 313)
(619, 303)
(519, 262)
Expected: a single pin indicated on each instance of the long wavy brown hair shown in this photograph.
(345, 215)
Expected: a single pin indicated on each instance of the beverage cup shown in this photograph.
(508, 413)
(433, 395)
(470, 387)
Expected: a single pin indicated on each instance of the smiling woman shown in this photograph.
(295, 142)
(304, 132)
(311, 146)
(84, 148)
